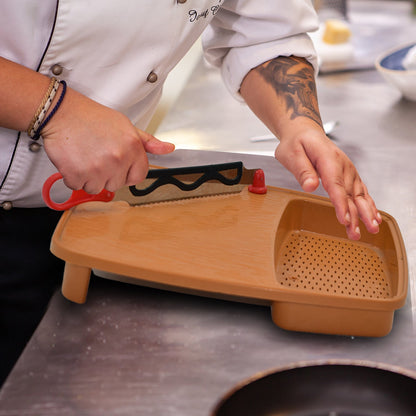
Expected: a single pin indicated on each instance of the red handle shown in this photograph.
(77, 197)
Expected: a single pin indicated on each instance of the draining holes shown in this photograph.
(332, 266)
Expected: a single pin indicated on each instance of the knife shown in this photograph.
(169, 184)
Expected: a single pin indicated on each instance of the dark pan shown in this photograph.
(343, 388)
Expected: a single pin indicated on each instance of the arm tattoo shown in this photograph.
(293, 79)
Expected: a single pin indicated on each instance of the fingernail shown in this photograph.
(357, 230)
(375, 223)
(348, 217)
(378, 215)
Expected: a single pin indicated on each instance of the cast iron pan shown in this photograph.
(347, 388)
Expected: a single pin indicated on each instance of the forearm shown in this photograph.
(91, 145)
(21, 91)
(282, 93)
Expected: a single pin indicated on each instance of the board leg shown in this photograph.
(75, 282)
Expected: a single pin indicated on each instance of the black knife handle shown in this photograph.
(208, 172)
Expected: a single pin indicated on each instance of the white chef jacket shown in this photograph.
(119, 53)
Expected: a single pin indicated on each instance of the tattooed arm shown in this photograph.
(282, 93)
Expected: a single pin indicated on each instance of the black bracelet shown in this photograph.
(52, 113)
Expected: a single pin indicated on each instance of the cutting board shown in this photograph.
(285, 249)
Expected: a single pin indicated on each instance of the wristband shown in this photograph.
(44, 107)
(52, 113)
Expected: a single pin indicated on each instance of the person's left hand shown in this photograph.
(311, 157)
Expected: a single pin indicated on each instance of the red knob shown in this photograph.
(258, 186)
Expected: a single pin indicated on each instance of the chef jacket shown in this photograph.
(119, 53)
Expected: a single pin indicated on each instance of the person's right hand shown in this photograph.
(312, 157)
(95, 147)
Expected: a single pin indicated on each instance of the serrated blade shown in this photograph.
(172, 184)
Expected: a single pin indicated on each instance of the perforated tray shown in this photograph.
(353, 270)
(285, 249)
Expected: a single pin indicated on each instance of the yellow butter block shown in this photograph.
(336, 31)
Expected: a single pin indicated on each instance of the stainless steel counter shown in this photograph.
(132, 350)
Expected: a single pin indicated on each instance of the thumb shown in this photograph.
(300, 166)
(153, 145)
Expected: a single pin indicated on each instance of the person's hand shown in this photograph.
(282, 93)
(312, 157)
(95, 147)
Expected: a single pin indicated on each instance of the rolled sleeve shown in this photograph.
(247, 33)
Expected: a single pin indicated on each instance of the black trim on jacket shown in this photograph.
(37, 70)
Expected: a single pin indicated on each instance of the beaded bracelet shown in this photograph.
(44, 107)
(52, 113)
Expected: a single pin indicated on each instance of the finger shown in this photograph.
(353, 228)
(352, 202)
(360, 204)
(137, 172)
(341, 196)
(153, 145)
(367, 210)
(334, 182)
(353, 233)
(116, 182)
(298, 163)
(94, 187)
(72, 178)
(338, 179)
(72, 184)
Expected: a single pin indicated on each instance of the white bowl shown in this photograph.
(390, 65)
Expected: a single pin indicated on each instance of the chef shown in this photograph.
(79, 82)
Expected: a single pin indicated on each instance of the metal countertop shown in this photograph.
(132, 350)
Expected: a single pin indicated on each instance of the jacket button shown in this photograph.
(34, 147)
(152, 77)
(56, 69)
(181, 1)
(7, 205)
